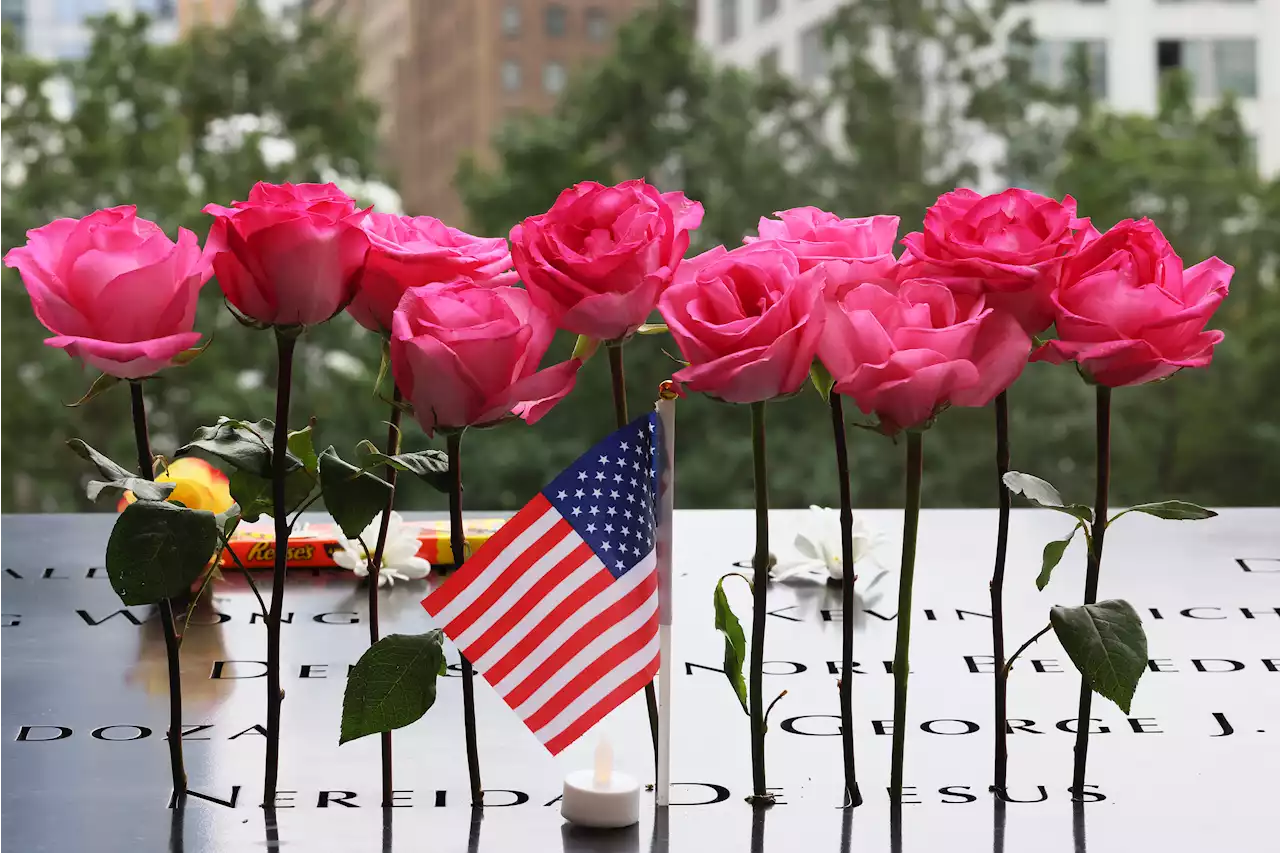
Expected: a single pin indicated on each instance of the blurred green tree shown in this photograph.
(173, 127)
(170, 128)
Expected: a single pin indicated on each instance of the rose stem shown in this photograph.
(618, 375)
(759, 589)
(846, 596)
(997, 595)
(1103, 480)
(375, 567)
(285, 341)
(901, 656)
(146, 468)
(458, 545)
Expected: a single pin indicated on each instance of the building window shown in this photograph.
(766, 9)
(554, 77)
(1235, 67)
(512, 79)
(557, 20)
(1053, 63)
(161, 10)
(813, 53)
(597, 24)
(1216, 66)
(728, 20)
(511, 20)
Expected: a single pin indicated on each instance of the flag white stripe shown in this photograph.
(494, 570)
(519, 587)
(602, 688)
(584, 614)
(606, 640)
(571, 584)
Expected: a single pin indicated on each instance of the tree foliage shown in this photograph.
(919, 96)
(171, 127)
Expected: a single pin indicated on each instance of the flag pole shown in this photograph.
(666, 408)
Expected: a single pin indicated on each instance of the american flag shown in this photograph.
(558, 611)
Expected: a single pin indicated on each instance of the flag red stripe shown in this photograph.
(497, 543)
(540, 590)
(562, 611)
(498, 586)
(601, 622)
(596, 712)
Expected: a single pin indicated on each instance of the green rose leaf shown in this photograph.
(392, 685)
(143, 490)
(1174, 510)
(118, 478)
(106, 467)
(735, 642)
(352, 496)
(243, 445)
(822, 379)
(253, 493)
(1042, 493)
(103, 383)
(585, 347)
(300, 445)
(652, 329)
(430, 465)
(1107, 644)
(1052, 556)
(384, 364)
(158, 549)
(189, 355)
(228, 520)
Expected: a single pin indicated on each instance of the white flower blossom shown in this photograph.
(400, 560)
(819, 547)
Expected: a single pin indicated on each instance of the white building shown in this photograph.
(1226, 45)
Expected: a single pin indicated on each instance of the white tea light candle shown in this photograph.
(601, 797)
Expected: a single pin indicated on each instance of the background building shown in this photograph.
(1225, 45)
(447, 73)
(382, 34)
(195, 12)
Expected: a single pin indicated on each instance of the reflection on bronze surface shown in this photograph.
(202, 640)
(998, 816)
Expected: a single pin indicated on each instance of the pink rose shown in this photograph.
(410, 251)
(114, 290)
(290, 254)
(1009, 246)
(816, 236)
(467, 354)
(746, 320)
(903, 351)
(598, 260)
(1127, 311)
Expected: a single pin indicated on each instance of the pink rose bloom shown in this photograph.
(746, 320)
(1128, 313)
(598, 260)
(816, 236)
(114, 290)
(904, 351)
(410, 251)
(289, 255)
(1008, 246)
(467, 354)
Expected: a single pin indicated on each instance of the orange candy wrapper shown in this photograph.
(313, 545)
